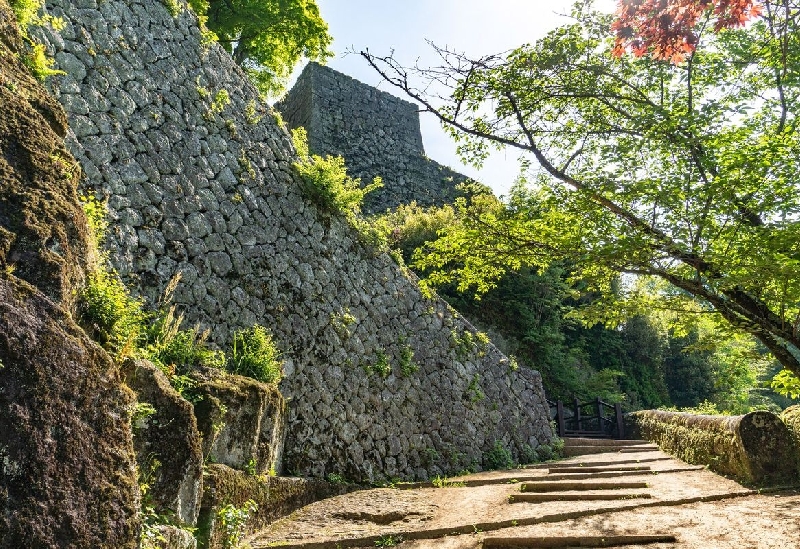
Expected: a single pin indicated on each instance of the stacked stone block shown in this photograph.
(376, 133)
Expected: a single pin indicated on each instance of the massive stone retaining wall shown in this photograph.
(199, 181)
(377, 133)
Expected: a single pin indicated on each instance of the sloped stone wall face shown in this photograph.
(377, 134)
(204, 186)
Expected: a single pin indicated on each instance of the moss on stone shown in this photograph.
(276, 497)
(241, 421)
(43, 232)
(169, 436)
(67, 469)
(791, 418)
(753, 448)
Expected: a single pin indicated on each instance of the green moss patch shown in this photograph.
(754, 448)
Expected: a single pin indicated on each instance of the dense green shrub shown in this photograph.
(498, 457)
(327, 182)
(254, 354)
(110, 315)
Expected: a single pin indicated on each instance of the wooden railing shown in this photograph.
(596, 419)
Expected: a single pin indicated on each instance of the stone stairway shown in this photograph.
(625, 494)
(585, 446)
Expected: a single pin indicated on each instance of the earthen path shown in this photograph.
(630, 496)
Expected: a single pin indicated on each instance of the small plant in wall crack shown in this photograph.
(328, 185)
(381, 365)
(341, 322)
(466, 343)
(407, 364)
(474, 391)
(29, 14)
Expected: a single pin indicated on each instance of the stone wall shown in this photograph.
(754, 448)
(377, 134)
(199, 180)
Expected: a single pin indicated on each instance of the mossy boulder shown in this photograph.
(275, 497)
(67, 469)
(167, 442)
(171, 537)
(754, 448)
(791, 418)
(43, 231)
(241, 421)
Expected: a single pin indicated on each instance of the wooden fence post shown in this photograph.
(620, 422)
(562, 428)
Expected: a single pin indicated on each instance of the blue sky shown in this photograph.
(477, 27)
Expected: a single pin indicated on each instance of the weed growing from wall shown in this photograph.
(474, 391)
(329, 187)
(29, 14)
(174, 7)
(407, 364)
(381, 366)
(341, 322)
(119, 322)
(466, 343)
(221, 100)
(254, 354)
(251, 113)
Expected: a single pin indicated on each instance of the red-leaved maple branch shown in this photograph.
(666, 29)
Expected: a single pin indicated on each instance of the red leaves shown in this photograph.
(665, 29)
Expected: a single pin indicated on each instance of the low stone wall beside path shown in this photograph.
(754, 448)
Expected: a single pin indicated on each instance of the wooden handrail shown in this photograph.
(612, 426)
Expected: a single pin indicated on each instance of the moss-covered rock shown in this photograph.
(169, 437)
(791, 418)
(276, 497)
(172, 537)
(753, 448)
(241, 421)
(43, 231)
(67, 470)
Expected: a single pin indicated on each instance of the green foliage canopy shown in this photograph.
(686, 172)
(267, 37)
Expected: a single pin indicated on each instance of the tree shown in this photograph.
(666, 30)
(683, 170)
(267, 37)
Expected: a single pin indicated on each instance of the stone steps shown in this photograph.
(598, 469)
(610, 474)
(561, 486)
(572, 451)
(605, 463)
(583, 441)
(575, 541)
(547, 497)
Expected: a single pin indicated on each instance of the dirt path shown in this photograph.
(661, 495)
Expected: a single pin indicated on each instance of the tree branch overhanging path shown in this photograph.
(666, 151)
